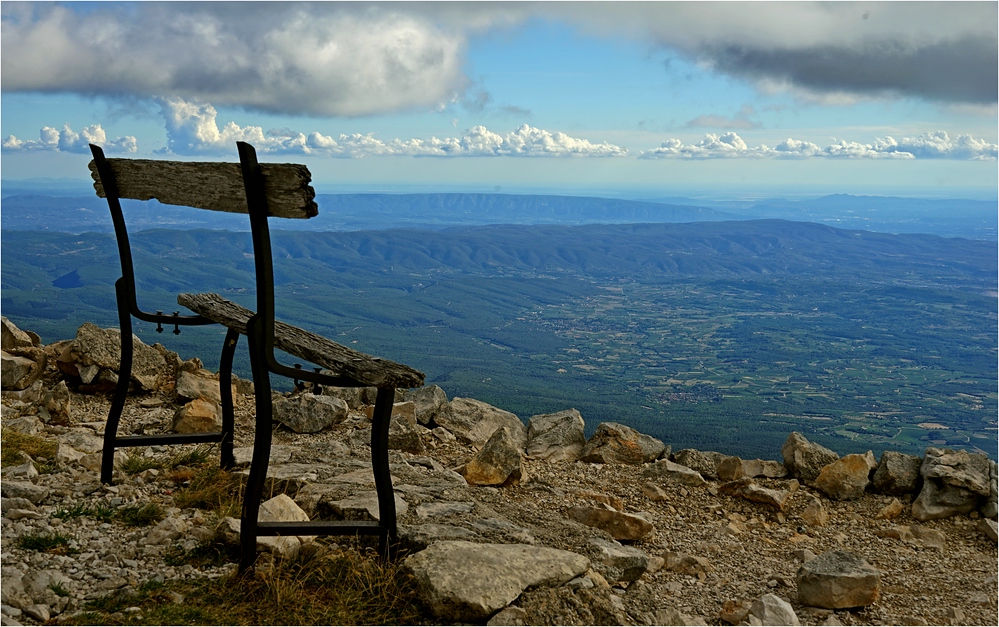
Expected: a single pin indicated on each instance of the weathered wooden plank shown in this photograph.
(212, 185)
(371, 371)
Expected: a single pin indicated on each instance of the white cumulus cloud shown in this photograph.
(68, 140)
(313, 58)
(192, 129)
(937, 145)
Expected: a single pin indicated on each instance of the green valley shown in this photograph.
(720, 335)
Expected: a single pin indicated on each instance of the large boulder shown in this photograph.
(731, 468)
(464, 581)
(675, 473)
(18, 372)
(614, 443)
(309, 413)
(356, 398)
(497, 463)
(803, 459)
(838, 579)
(474, 422)
(12, 337)
(556, 437)
(897, 474)
(846, 478)
(991, 507)
(202, 415)
(748, 489)
(430, 401)
(200, 383)
(96, 356)
(404, 430)
(954, 482)
(704, 462)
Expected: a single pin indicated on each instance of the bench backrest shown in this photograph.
(209, 185)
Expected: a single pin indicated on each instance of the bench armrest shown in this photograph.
(344, 361)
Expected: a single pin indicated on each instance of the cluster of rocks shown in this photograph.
(502, 522)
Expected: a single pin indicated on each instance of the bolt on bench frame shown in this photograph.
(281, 190)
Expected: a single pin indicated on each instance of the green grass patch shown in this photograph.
(135, 462)
(319, 587)
(100, 511)
(76, 511)
(44, 542)
(59, 589)
(140, 515)
(200, 456)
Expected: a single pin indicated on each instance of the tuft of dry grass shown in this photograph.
(319, 587)
(15, 442)
(212, 489)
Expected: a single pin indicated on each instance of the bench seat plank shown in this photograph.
(368, 370)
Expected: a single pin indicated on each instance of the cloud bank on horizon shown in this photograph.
(333, 59)
(192, 129)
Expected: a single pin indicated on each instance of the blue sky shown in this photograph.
(637, 99)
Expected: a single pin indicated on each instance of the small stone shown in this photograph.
(619, 525)
(687, 564)
(24, 489)
(654, 492)
(988, 527)
(510, 615)
(815, 514)
(734, 611)
(930, 538)
(770, 609)
(39, 612)
(891, 510)
(803, 555)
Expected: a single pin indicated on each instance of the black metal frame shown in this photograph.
(260, 339)
(127, 308)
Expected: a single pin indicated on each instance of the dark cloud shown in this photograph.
(962, 70)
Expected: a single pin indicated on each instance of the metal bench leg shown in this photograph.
(380, 420)
(261, 447)
(121, 388)
(227, 460)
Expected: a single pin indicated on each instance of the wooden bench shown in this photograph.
(262, 191)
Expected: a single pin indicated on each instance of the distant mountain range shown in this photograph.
(972, 219)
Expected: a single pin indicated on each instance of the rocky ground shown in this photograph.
(614, 530)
